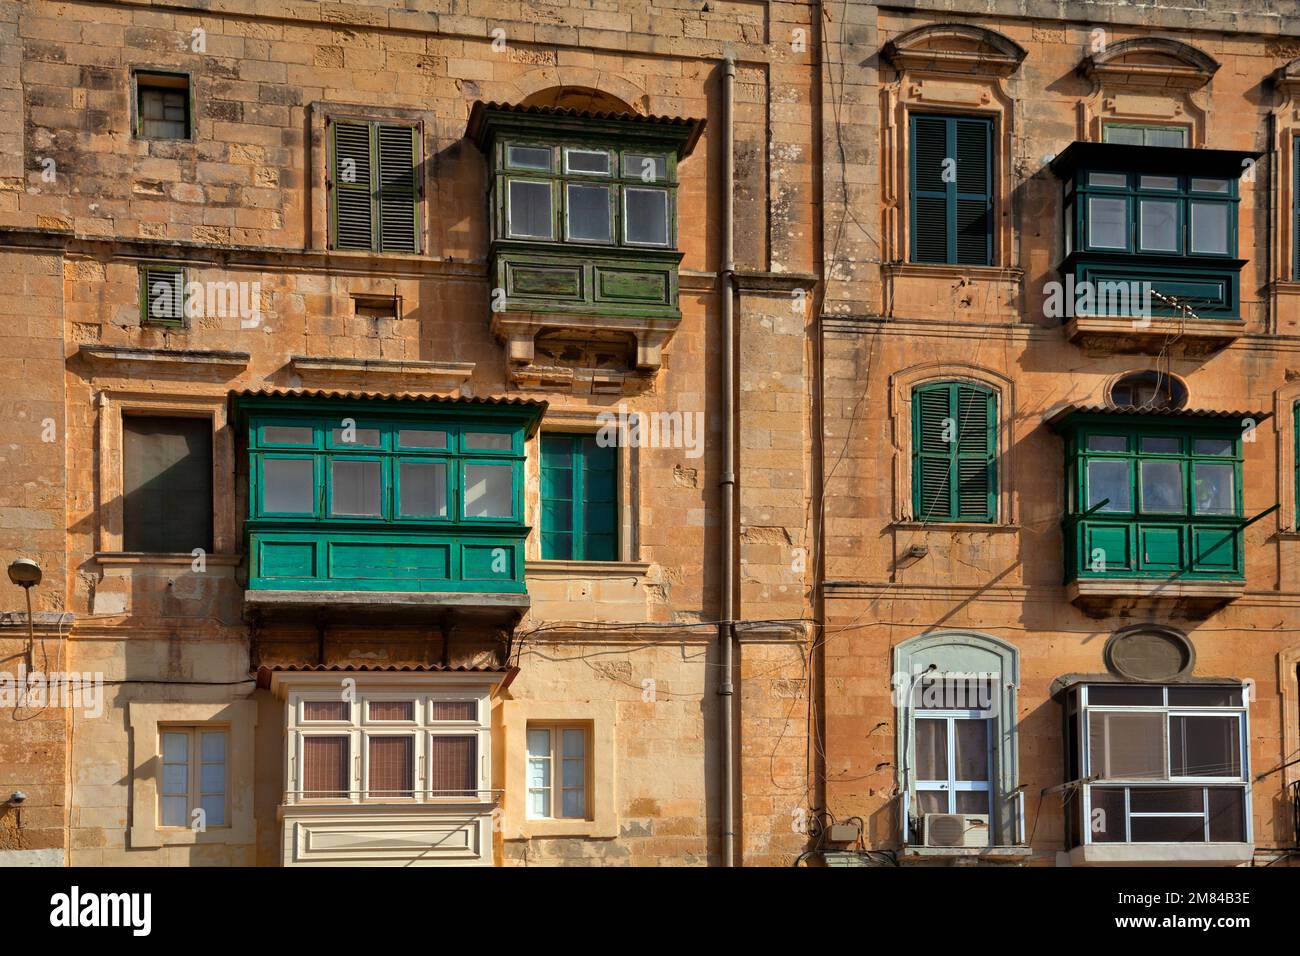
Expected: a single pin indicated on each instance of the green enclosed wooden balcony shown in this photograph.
(351, 496)
(1150, 245)
(1153, 503)
(583, 226)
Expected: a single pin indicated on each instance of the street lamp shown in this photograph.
(26, 573)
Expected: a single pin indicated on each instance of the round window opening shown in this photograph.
(1149, 389)
(1150, 653)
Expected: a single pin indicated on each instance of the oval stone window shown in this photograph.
(1150, 653)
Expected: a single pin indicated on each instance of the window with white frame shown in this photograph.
(387, 746)
(1157, 763)
(193, 776)
(557, 771)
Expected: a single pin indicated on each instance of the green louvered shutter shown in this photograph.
(951, 202)
(929, 191)
(162, 295)
(579, 499)
(954, 447)
(352, 187)
(398, 198)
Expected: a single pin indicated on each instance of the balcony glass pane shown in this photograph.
(1109, 480)
(1116, 180)
(1213, 446)
(1166, 800)
(360, 437)
(646, 212)
(287, 434)
(1227, 815)
(589, 213)
(1167, 829)
(1210, 186)
(1209, 227)
(356, 488)
(647, 167)
(972, 801)
(1159, 225)
(1204, 746)
(529, 157)
(1205, 697)
(489, 441)
(1107, 443)
(1127, 746)
(529, 210)
(1107, 223)
(971, 742)
(288, 486)
(1106, 822)
(423, 489)
(489, 491)
(1162, 487)
(1154, 445)
(588, 161)
(1159, 182)
(1214, 487)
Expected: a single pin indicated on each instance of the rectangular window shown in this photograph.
(166, 484)
(162, 295)
(1138, 135)
(954, 453)
(579, 499)
(1169, 764)
(588, 213)
(1167, 215)
(530, 215)
(193, 777)
(374, 186)
(452, 768)
(645, 217)
(162, 106)
(391, 766)
(325, 770)
(951, 190)
(557, 772)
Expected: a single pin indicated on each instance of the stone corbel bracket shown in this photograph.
(519, 330)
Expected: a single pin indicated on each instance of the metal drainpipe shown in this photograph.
(727, 480)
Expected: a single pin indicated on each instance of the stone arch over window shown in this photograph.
(903, 390)
(574, 88)
(919, 666)
(963, 76)
(1145, 81)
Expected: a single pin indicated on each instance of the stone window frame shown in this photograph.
(238, 718)
(952, 82)
(575, 421)
(902, 385)
(192, 120)
(319, 113)
(1288, 673)
(1286, 419)
(600, 717)
(967, 644)
(113, 405)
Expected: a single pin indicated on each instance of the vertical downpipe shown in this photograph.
(727, 481)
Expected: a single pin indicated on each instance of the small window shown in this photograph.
(452, 766)
(288, 435)
(588, 162)
(1107, 223)
(390, 766)
(374, 186)
(645, 216)
(1209, 228)
(162, 295)
(356, 487)
(422, 489)
(529, 157)
(326, 710)
(166, 484)
(162, 106)
(647, 167)
(193, 777)
(288, 486)
(1148, 389)
(489, 441)
(588, 213)
(1159, 225)
(1108, 485)
(557, 772)
(1108, 180)
(529, 214)
(954, 452)
(375, 306)
(489, 491)
(1138, 135)
(390, 710)
(325, 766)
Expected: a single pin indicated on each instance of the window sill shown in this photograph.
(587, 569)
(990, 528)
(948, 270)
(592, 829)
(937, 853)
(147, 558)
(1162, 854)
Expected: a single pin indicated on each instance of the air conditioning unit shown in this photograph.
(955, 829)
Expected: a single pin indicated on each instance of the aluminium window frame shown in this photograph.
(1083, 750)
(952, 785)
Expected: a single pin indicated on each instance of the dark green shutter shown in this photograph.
(954, 480)
(352, 187)
(166, 484)
(398, 197)
(162, 295)
(579, 499)
(952, 222)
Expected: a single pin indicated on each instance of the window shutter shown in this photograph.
(952, 215)
(579, 499)
(162, 294)
(351, 187)
(451, 766)
(974, 194)
(954, 480)
(166, 484)
(929, 191)
(931, 455)
(398, 189)
(976, 444)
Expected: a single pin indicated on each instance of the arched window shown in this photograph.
(954, 452)
(956, 699)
